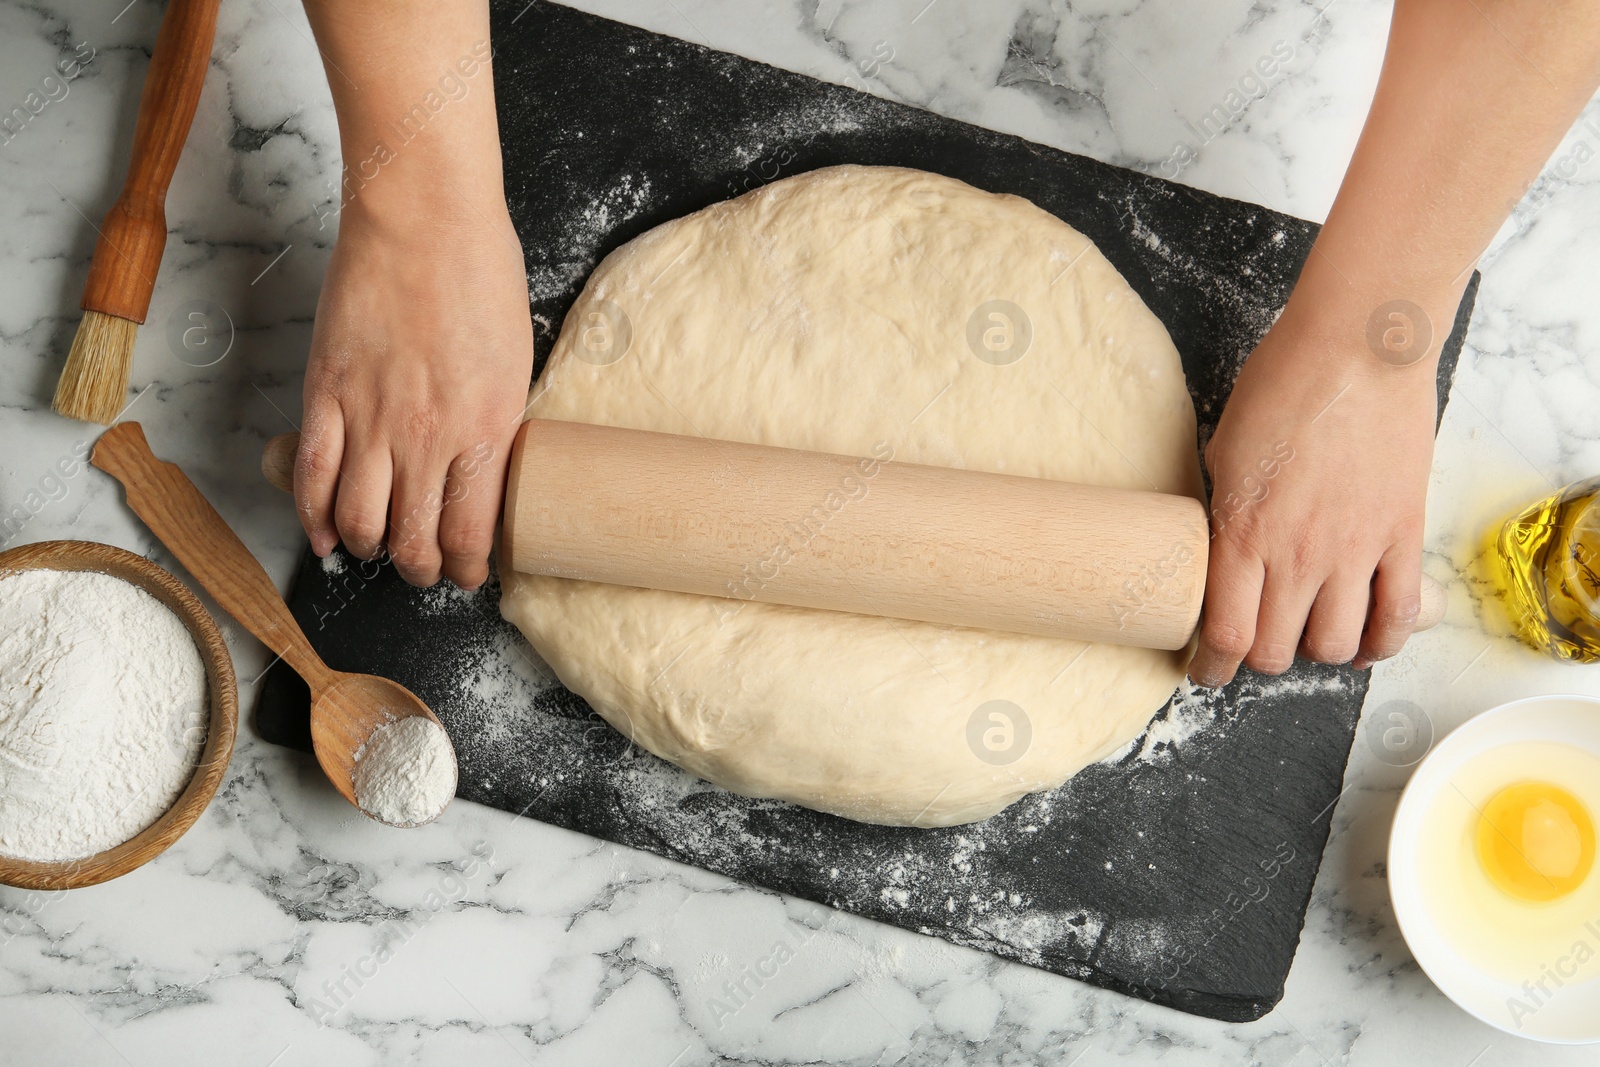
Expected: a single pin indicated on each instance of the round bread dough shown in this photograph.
(865, 311)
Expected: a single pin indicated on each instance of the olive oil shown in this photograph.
(1549, 561)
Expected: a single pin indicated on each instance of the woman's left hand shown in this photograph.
(1319, 470)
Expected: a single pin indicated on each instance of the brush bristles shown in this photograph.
(94, 383)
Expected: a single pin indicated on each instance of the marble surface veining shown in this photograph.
(286, 929)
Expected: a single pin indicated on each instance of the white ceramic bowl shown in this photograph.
(1572, 1015)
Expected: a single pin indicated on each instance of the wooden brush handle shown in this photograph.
(128, 253)
(874, 537)
(184, 520)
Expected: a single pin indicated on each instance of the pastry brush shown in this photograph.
(122, 275)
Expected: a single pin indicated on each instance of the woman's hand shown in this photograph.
(1319, 470)
(423, 345)
(419, 369)
(1320, 464)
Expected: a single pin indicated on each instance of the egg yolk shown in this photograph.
(1535, 841)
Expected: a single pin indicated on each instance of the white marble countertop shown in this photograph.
(286, 929)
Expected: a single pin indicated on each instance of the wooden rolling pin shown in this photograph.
(874, 535)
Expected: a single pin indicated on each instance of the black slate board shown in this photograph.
(1179, 873)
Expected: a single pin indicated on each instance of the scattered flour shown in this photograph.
(570, 260)
(1195, 713)
(406, 772)
(103, 711)
(443, 597)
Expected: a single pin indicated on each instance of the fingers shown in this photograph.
(1333, 632)
(1396, 601)
(414, 519)
(362, 510)
(1228, 629)
(1351, 617)
(1285, 603)
(471, 511)
(316, 474)
(434, 518)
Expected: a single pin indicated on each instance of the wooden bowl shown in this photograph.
(223, 694)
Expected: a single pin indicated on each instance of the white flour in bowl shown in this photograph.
(103, 712)
(406, 772)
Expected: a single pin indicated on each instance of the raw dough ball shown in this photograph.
(856, 310)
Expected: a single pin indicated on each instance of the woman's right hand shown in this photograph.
(423, 344)
(419, 369)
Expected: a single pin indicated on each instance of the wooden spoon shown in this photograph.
(345, 708)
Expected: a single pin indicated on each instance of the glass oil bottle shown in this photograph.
(1549, 568)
